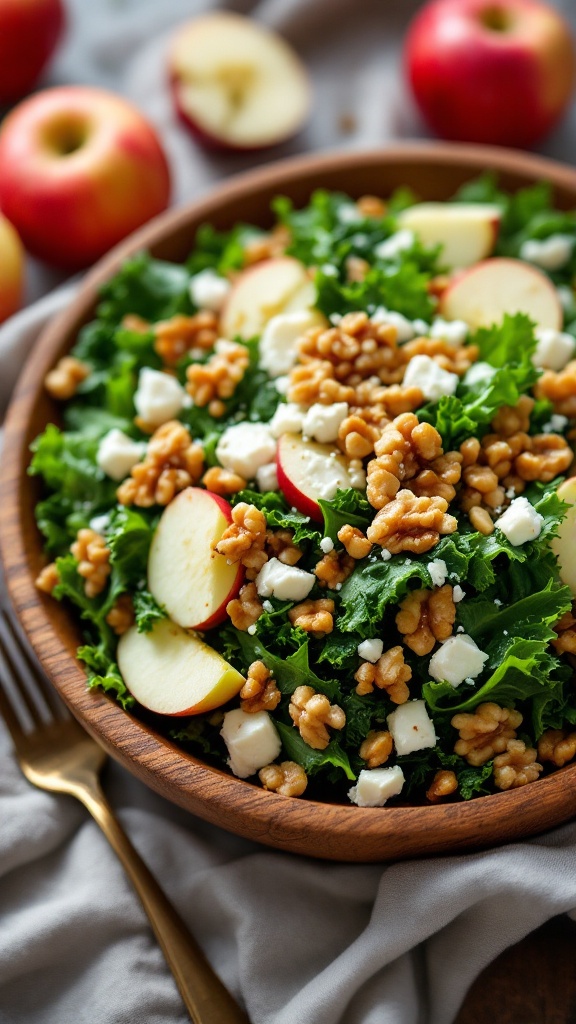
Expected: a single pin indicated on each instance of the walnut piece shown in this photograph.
(355, 350)
(265, 246)
(334, 568)
(245, 609)
(426, 616)
(172, 462)
(371, 206)
(280, 544)
(286, 778)
(412, 524)
(316, 617)
(454, 358)
(62, 382)
(243, 541)
(313, 714)
(443, 784)
(376, 748)
(176, 336)
(259, 692)
(223, 481)
(566, 630)
(390, 673)
(211, 382)
(557, 746)
(516, 766)
(355, 542)
(486, 732)
(560, 389)
(93, 558)
(121, 615)
(48, 578)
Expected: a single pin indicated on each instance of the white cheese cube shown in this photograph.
(458, 658)
(454, 332)
(479, 373)
(208, 290)
(322, 422)
(286, 582)
(556, 424)
(252, 741)
(554, 348)
(327, 545)
(458, 594)
(371, 650)
(549, 253)
(278, 351)
(287, 419)
(117, 453)
(391, 247)
(520, 522)
(405, 329)
(267, 477)
(411, 727)
(376, 785)
(438, 571)
(158, 397)
(245, 447)
(434, 382)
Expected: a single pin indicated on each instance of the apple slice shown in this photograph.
(467, 232)
(483, 294)
(563, 545)
(191, 580)
(172, 672)
(274, 286)
(236, 84)
(308, 471)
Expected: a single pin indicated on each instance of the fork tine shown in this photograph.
(30, 668)
(19, 671)
(10, 718)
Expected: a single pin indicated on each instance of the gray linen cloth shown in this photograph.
(298, 941)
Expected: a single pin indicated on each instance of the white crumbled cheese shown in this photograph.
(438, 572)
(224, 346)
(457, 659)
(556, 424)
(252, 741)
(326, 476)
(404, 327)
(566, 297)
(421, 327)
(549, 253)
(357, 474)
(391, 247)
(100, 523)
(411, 727)
(479, 373)
(251, 629)
(327, 545)
(278, 351)
(322, 422)
(348, 213)
(520, 522)
(286, 582)
(454, 332)
(158, 397)
(385, 555)
(457, 594)
(554, 348)
(459, 629)
(267, 477)
(376, 785)
(497, 602)
(282, 384)
(244, 447)
(329, 270)
(371, 650)
(434, 382)
(117, 453)
(208, 290)
(511, 493)
(287, 419)
(268, 606)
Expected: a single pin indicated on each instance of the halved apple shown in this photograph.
(308, 471)
(236, 84)
(467, 232)
(564, 544)
(483, 294)
(173, 672)
(185, 574)
(277, 285)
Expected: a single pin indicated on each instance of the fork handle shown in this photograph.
(204, 995)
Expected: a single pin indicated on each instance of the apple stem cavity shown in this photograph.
(497, 19)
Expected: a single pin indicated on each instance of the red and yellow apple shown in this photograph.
(482, 294)
(308, 471)
(495, 71)
(467, 232)
(564, 544)
(11, 270)
(173, 672)
(29, 32)
(236, 84)
(278, 285)
(185, 574)
(80, 168)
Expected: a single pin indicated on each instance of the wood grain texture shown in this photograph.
(320, 830)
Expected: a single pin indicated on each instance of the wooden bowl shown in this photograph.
(320, 830)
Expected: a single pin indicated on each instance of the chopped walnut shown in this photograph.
(566, 630)
(409, 523)
(315, 382)
(376, 748)
(486, 732)
(280, 543)
(334, 569)
(410, 453)
(172, 462)
(135, 323)
(371, 206)
(443, 784)
(454, 358)
(245, 609)
(425, 617)
(313, 713)
(265, 246)
(356, 437)
(211, 382)
(62, 382)
(356, 268)
(560, 389)
(93, 558)
(223, 481)
(355, 350)
(480, 520)
(259, 692)
(314, 617)
(286, 778)
(548, 457)
(558, 746)
(516, 766)
(513, 419)
(243, 541)
(390, 673)
(48, 578)
(121, 615)
(355, 542)
(176, 336)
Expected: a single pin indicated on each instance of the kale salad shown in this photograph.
(311, 495)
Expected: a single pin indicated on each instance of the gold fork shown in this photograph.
(55, 753)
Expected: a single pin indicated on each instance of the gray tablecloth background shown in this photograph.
(298, 941)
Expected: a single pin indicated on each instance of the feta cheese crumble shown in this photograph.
(454, 332)
(117, 454)
(479, 373)
(434, 382)
(327, 545)
(411, 727)
(554, 348)
(287, 419)
(208, 290)
(278, 351)
(549, 253)
(158, 397)
(404, 327)
(371, 650)
(458, 594)
(391, 247)
(438, 572)
(556, 424)
(376, 785)
(244, 447)
(267, 477)
(457, 659)
(251, 740)
(322, 422)
(520, 522)
(286, 582)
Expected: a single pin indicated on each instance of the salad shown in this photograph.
(311, 495)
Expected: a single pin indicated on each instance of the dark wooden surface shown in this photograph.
(321, 830)
(533, 982)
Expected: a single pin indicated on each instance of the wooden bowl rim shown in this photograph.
(139, 749)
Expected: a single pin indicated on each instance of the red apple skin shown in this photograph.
(11, 270)
(29, 32)
(294, 496)
(80, 168)
(221, 614)
(474, 83)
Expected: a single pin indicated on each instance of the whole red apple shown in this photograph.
(496, 71)
(80, 168)
(11, 270)
(29, 31)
